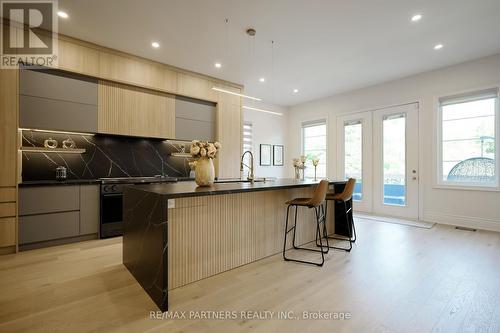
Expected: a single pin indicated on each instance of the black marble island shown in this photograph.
(178, 233)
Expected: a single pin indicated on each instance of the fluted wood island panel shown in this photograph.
(207, 230)
(210, 235)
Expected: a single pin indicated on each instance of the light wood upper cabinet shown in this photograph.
(78, 58)
(196, 87)
(132, 70)
(229, 133)
(128, 110)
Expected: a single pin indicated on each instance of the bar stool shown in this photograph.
(344, 198)
(316, 203)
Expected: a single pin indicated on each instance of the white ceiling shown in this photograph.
(322, 47)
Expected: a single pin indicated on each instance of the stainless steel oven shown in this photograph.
(111, 211)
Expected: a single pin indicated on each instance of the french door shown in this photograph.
(380, 149)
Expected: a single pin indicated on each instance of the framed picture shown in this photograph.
(265, 154)
(278, 155)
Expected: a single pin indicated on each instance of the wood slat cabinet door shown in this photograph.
(128, 110)
(135, 71)
(229, 133)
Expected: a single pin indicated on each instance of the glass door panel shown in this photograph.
(353, 156)
(394, 159)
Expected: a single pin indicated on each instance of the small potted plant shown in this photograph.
(204, 152)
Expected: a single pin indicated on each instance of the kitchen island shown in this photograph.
(178, 233)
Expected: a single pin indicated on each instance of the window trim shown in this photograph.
(462, 97)
(311, 123)
(366, 117)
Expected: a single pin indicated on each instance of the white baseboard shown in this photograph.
(463, 221)
(396, 220)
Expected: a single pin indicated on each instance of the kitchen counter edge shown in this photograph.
(190, 189)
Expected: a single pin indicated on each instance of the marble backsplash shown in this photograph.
(105, 156)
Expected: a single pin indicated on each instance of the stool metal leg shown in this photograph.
(318, 222)
(286, 231)
(350, 228)
(352, 223)
(295, 227)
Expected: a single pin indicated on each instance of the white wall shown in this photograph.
(269, 129)
(459, 207)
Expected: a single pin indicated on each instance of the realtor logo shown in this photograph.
(28, 33)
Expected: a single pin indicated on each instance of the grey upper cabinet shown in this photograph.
(194, 119)
(55, 100)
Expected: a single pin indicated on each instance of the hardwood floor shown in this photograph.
(396, 279)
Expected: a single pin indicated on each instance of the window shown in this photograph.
(353, 155)
(247, 140)
(314, 147)
(469, 140)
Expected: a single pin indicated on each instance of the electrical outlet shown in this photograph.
(171, 203)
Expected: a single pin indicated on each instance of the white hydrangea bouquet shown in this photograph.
(299, 164)
(204, 152)
(204, 149)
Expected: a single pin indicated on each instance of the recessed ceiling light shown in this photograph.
(438, 46)
(155, 45)
(295, 90)
(62, 14)
(262, 79)
(218, 65)
(416, 17)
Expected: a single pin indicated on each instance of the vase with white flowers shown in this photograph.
(315, 162)
(299, 164)
(204, 152)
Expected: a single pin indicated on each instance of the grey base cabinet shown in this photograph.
(37, 228)
(89, 209)
(49, 213)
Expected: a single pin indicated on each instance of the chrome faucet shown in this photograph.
(250, 167)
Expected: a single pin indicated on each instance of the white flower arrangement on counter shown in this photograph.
(204, 149)
(315, 162)
(299, 164)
